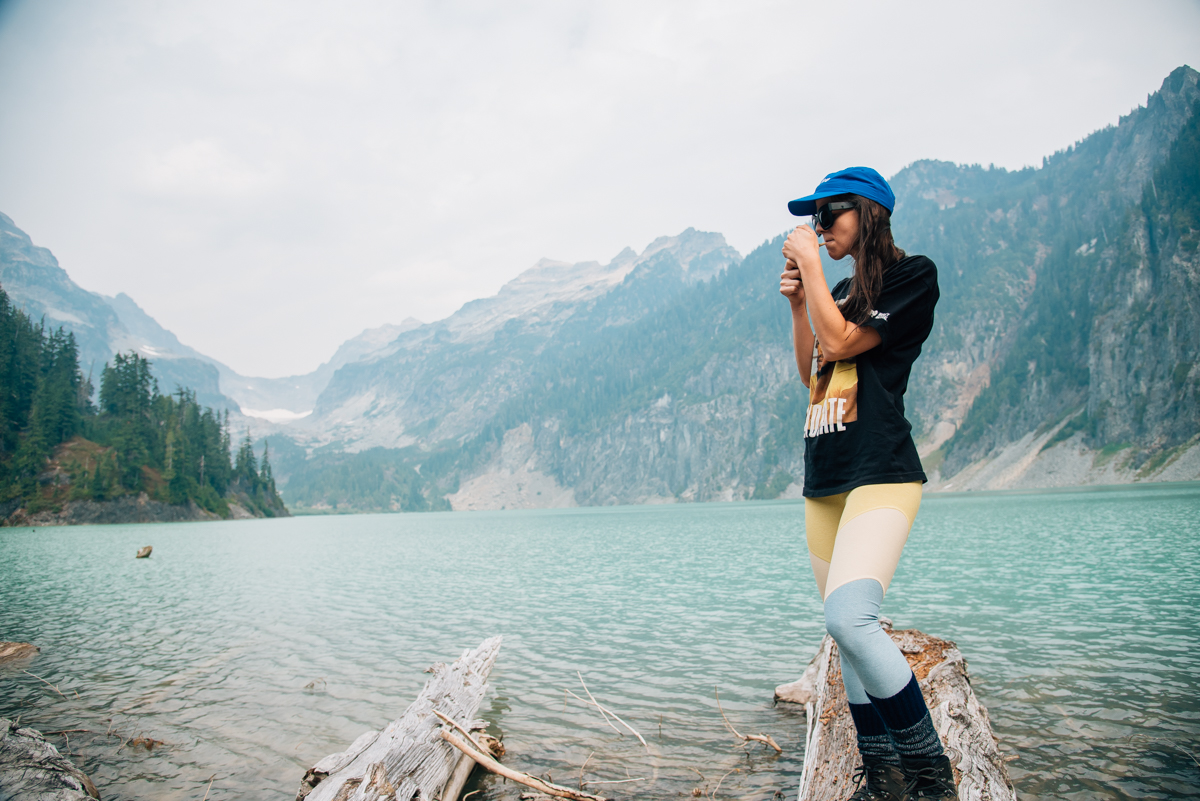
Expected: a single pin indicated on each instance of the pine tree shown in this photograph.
(265, 475)
(246, 466)
(128, 394)
(20, 360)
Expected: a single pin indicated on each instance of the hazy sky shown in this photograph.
(269, 178)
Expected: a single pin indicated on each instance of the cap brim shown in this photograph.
(804, 206)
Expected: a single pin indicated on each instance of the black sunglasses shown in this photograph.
(824, 216)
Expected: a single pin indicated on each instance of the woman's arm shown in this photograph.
(839, 339)
(792, 288)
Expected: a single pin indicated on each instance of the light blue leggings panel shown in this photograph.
(852, 619)
(855, 693)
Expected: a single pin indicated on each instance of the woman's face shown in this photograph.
(841, 236)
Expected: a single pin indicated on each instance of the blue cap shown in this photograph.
(861, 181)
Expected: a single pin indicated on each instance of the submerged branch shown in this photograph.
(765, 739)
(485, 761)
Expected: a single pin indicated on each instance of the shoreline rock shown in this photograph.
(30, 767)
(130, 509)
(126, 509)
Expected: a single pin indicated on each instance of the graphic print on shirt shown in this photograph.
(832, 396)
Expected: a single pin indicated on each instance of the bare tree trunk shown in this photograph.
(831, 750)
(408, 759)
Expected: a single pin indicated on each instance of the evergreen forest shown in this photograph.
(58, 446)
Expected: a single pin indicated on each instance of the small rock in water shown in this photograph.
(10, 651)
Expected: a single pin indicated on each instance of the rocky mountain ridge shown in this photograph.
(445, 380)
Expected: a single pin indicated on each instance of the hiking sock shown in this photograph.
(908, 722)
(874, 742)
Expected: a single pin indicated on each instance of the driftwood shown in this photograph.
(12, 651)
(605, 712)
(458, 779)
(33, 769)
(144, 552)
(408, 759)
(765, 739)
(830, 752)
(472, 750)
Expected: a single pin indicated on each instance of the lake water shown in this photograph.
(253, 648)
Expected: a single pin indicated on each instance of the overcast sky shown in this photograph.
(269, 178)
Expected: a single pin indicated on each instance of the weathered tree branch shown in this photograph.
(765, 739)
(606, 712)
(533, 782)
(30, 767)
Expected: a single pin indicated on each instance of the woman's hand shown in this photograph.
(791, 285)
(801, 248)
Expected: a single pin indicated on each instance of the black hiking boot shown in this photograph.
(878, 781)
(928, 778)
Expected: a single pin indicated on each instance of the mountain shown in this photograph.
(1063, 351)
(292, 397)
(1069, 313)
(36, 283)
(104, 326)
(444, 380)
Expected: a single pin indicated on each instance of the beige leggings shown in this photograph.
(860, 533)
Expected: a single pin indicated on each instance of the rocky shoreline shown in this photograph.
(126, 509)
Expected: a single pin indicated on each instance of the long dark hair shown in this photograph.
(874, 252)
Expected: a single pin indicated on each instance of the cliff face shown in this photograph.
(1084, 320)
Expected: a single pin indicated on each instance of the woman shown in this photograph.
(862, 476)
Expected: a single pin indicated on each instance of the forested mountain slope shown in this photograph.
(444, 381)
(1069, 293)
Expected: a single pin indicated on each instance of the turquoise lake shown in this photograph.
(254, 648)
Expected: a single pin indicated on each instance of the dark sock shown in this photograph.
(874, 742)
(908, 722)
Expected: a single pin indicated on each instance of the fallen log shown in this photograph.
(830, 749)
(33, 769)
(408, 758)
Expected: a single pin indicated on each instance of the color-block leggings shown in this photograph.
(854, 543)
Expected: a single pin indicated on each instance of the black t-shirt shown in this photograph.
(855, 432)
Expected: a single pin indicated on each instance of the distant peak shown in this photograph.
(1179, 78)
(124, 300)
